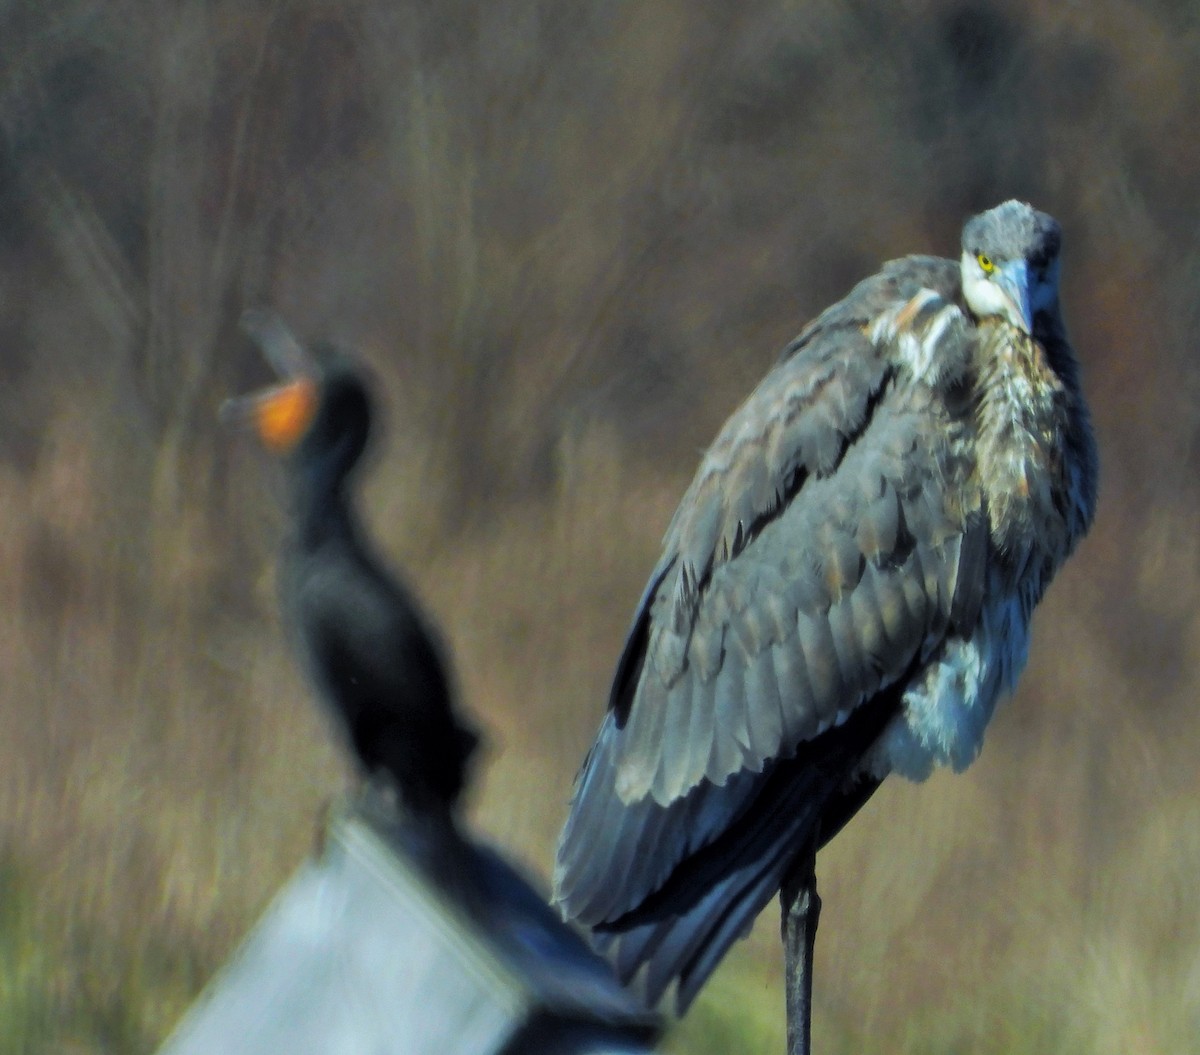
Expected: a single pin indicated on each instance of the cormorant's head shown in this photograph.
(1010, 263)
(319, 415)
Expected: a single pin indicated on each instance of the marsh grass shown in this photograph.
(567, 239)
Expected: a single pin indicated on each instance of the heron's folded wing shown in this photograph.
(830, 539)
(816, 554)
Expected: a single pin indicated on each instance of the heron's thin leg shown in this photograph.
(801, 909)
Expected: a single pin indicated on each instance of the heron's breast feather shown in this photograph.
(948, 706)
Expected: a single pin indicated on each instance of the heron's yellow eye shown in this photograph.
(985, 262)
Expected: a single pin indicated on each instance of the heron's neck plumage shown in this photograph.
(1023, 416)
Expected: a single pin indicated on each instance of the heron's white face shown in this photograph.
(1009, 289)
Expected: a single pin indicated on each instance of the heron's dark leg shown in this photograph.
(801, 909)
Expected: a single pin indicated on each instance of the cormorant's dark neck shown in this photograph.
(322, 511)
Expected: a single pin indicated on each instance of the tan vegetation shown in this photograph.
(568, 236)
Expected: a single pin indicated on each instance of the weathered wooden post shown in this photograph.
(397, 939)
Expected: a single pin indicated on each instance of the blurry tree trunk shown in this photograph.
(801, 908)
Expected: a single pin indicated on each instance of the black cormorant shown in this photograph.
(374, 658)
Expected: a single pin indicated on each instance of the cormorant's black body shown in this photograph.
(369, 651)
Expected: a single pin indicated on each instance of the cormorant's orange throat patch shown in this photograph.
(283, 416)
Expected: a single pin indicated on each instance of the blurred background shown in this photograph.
(568, 236)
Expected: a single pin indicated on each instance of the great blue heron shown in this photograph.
(372, 655)
(845, 591)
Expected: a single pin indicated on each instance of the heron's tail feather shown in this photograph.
(683, 930)
(688, 947)
(667, 889)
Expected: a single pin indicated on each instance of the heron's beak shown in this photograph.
(1013, 280)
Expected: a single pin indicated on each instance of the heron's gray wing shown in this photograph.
(799, 420)
(682, 929)
(813, 555)
(828, 540)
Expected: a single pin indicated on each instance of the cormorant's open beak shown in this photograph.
(281, 414)
(286, 355)
(1013, 279)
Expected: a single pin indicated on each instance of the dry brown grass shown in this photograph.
(567, 237)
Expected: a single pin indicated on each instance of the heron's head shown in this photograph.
(1010, 263)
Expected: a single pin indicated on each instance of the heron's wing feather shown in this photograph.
(788, 677)
(795, 423)
(609, 849)
(818, 550)
(753, 642)
(669, 888)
